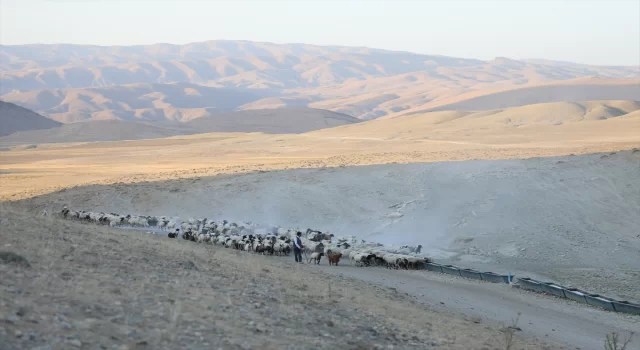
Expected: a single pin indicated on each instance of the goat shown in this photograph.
(333, 258)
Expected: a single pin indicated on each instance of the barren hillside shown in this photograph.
(566, 91)
(395, 96)
(98, 130)
(14, 118)
(561, 123)
(128, 290)
(272, 121)
(549, 217)
(279, 121)
(520, 132)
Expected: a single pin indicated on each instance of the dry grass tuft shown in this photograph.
(509, 333)
(613, 343)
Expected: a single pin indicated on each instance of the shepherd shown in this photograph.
(297, 247)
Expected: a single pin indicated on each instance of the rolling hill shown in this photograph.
(391, 97)
(92, 131)
(566, 91)
(273, 121)
(15, 118)
(280, 121)
(498, 126)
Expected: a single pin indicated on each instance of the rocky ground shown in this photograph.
(71, 285)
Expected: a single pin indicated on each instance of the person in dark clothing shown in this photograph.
(297, 247)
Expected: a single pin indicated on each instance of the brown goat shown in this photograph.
(333, 258)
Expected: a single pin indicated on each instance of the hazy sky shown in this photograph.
(586, 31)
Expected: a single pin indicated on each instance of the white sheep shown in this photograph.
(315, 256)
(280, 247)
(250, 237)
(412, 248)
(173, 224)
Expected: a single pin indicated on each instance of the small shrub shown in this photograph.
(189, 265)
(509, 332)
(13, 258)
(613, 343)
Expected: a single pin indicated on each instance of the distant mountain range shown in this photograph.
(179, 83)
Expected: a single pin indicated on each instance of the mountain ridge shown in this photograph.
(365, 83)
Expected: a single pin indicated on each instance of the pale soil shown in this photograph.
(93, 287)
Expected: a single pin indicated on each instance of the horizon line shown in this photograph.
(317, 45)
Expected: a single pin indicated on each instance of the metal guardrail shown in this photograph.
(550, 288)
(580, 296)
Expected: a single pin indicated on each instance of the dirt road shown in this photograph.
(544, 317)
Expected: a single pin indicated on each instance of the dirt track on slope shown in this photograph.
(552, 319)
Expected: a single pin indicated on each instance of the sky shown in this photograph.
(584, 31)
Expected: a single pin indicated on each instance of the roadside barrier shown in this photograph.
(550, 288)
(450, 270)
(469, 273)
(575, 294)
(580, 296)
(528, 283)
(494, 277)
(626, 307)
(599, 301)
(434, 267)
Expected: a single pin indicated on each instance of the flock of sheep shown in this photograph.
(250, 237)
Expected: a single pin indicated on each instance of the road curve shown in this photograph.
(554, 320)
